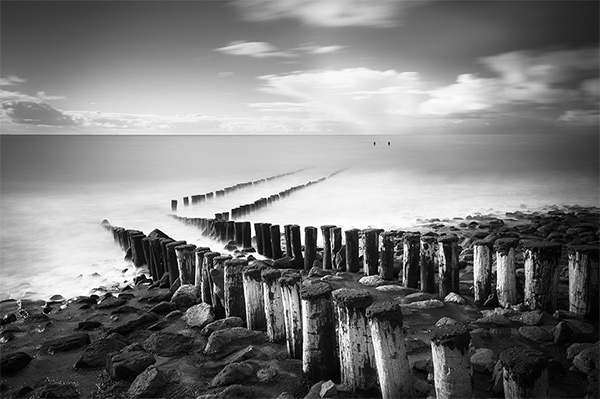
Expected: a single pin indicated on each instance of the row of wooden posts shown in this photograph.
(336, 333)
(198, 198)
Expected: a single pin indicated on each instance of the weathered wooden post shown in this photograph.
(235, 303)
(393, 369)
(186, 263)
(172, 260)
(327, 254)
(186, 201)
(356, 353)
(287, 232)
(336, 244)
(411, 258)
(525, 373)
(482, 270)
(247, 236)
(276, 242)
(173, 205)
(266, 240)
(254, 297)
(386, 259)
(371, 251)
(310, 246)
(352, 261)
(427, 263)
(148, 257)
(296, 246)
(274, 311)
(506, 279)
(448, 270)
(163, 253)
(259, 238)
(542, 260)
(583, 280)
(207, 265)
(199, 252)
(239, 236)
(451, 362)
(137, 250)
(230, 230)
(318, 332)
(217, 290)
(290, 295)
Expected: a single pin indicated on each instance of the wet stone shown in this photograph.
(148, 383)
(14, 362)
(66, 343)
(59, 391)
(94, 356)
(535, 334)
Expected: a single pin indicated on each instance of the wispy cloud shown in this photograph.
(313, 48)
(253, 49)
(11, 80)
(330, 13)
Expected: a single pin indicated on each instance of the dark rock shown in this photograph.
(491, 301)
(484, 360)
(134, 324)
(574, 349)
(185, 296)
(266, 374)
(415, 345)
(445, 321)
(328, 390)
(125, 310)
(236, 391)
(164, 307)
(14, 362)
(66, 343)
(94, 356)
(148, 383)
(234, 373)
(199, 316)
(222, 342)
(157, 296)
(59, 391)
(532, 318)
(318, 272)
(88, 325)
(587, 359)
(222, 324)
(497, 388)
(555, 368)
(129, 363)
(168, 344)
(535, 334)
(562, 333)
(111, 302)
(424, 365)
(8, 318)
(164, 281)
(284, 263)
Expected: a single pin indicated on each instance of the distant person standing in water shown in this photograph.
(374, 143)
(388, 143)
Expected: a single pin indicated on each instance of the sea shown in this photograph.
(57, 189)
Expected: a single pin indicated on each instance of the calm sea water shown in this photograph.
(55, 190)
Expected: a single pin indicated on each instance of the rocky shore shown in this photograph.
(145, 341)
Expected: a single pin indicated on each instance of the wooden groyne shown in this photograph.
(278, 294)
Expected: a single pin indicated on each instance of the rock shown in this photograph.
(491, 301)
(586, 360)
(249, 352)
(497, 388)
(233, 373)
(111, 302)
(396, 289)
(14, 362)
(66, 343)
(555, 368)
(148, 383)
(453, 297)
(535, 334)
(372, 281)
(417, 296)
(446, 321)
(422, 388)
(318, 272)
(125, 309)
(88, 325)
(285, 395)
(562, 333)
(284, 263)
(164, 307)
(424, 365)
(328, 390)
(129, 363)
(59, 391)
(223, 342)
(581, 327)
(168, 344)
(94, 356)
(428, 304)
(8, 318)
(266, 374)
(134, 324)
(574, 349)
(185, 296)
(314, 391)
(532, 318)
(236, 391)
(199, 315)
(495, 319)
(222, 324)
(164, 281)
(174, 315)
(484, 360)
(415, 345)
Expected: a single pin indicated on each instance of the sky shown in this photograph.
(298, 66)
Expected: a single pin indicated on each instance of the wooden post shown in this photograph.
(216, 277)
(386, 257)
(186, 263)
(238, 226)
(186, 201)
(163, 252)
(525, 373)
(356, 353)
(506, 279)
(230, 230)
(172, 260)
(235, 304)
(327, 254)
(318, 332)
(427, 263)
(266, 240)
(451, 362)
(482, 270)
(173, 205)
(371, 251)
(148, 257)
(199, 252)
(290, 295)
(542, 260)
(137, 250)
(247, 236)
(411, 258)
(583, 280)
(296, 246)
(259, 238)
(393, 369)
(287, 231)
(448, 265)
(352, 262)
(274, 312)
(276, 242)
(254, 297)
(207, 265)
(310, 246)
(336, 244)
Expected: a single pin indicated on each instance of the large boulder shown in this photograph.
(453, 297)
(563, 333)
(136, 323)
(94, 356)
(164, 307)
(59, 391)
(168, 344)
(111, 302)
(129, 363)
(484, 360)
(185, 296)
(222, 342)
(13, 362)
(228, 322)
(66, 343)
(148, 383)
(373, 281)
(587, 359)
(199, 315)
(535, 334)
(234, 373)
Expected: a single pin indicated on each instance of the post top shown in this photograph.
(523, 365)
(410, 236)
(185, 247)
(541, 245)
(316, 290)
(505, 244)
(221, 258)
(310, 228)
(270, 275)
(453, 336)
(174, 244)
(327, 227)
(448, 239)
(289, 278)
(428, 239)
(591, 250)
(236, 262)
(353, 230)
(372, 231)
(253, 272)
(389, 311)
(211, 255)
(202, 249)
(355, 298)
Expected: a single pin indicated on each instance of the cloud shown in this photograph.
(11, 80)
(580, 117)
(253, 49)
(41, 96)
(224, 74)
(329, 13)
(35, 113)
(313, 48)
